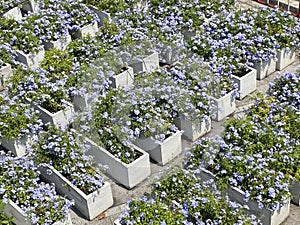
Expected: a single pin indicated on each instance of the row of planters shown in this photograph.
(256, 160)
(254, 164)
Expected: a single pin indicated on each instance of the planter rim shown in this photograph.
(128, 70)
(229, 93)
(241, 78)
(168, 138)
(111, 155)
(30, 53)
(69, 105)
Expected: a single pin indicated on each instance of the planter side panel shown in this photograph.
(246, 84)
(224, 106)
(5, 73)
(123, 79)
(295, 191)
(285, 58)
(265, 68)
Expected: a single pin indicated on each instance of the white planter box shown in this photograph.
(266, 216)
(31, 60)
(30, 6)
(61, 117)
(14, 13)
(5, 73)
(129, 175)
(295, 191)
(123, 79)
(193, 129)
(148, 64)
(61, 43)
(84, 101)
(90, 29)
(89, 205)
(224, 106)
(265, 68)
(246, 84)
(101, 15)
(17, 147)
(13, 210)
(161, 152)
(284, 58)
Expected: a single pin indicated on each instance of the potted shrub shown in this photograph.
(127, 164)
(19, 123)
(51, 99)
(146, 115)
(64, 162)
(24, 194)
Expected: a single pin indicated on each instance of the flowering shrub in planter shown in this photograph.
(21, 187)
(58, 152)
(51, 99)
(18, 123)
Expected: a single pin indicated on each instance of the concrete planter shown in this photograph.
(32, 60)
(147, 64)
(101, 15)
(61, 43)
(246, 83)
(89, 205)
(13, 210)
(30, 6)
(61, 117)
(17, 147)
(267, 217)
(14, 13)
(223, 106)
(90, 29)
(5, 73)
(161, 152)
(129, 175)
(284, 58)
(193, 129)
(123, 79)
(83, 101)
(265, 68)
(295, 191)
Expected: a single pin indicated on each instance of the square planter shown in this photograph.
(61, 117)
(193, 129)
(128, 175)
(285, 57)
(147, 64)
(30, 6)
(102, 15)
(12, 209)
(265, 68)
(90, 29)
(123, 79)
(5, 73)
(89, 205)
(14, 13)
(247, 83)
(83, 101)
(223, 106)
(295, 191)
(17, 147)
(32, 60)
(60, 44)
(161, 152)
(267, 217)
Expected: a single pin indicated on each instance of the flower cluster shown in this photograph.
(21, 184)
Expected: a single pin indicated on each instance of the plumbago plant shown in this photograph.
(97, 124)
(48, 24)
(38, 88)
(21, 184)
(17, 119)
(61, 149)
(180, 197)
(251, 173)
(19, 35)
(280, 24)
